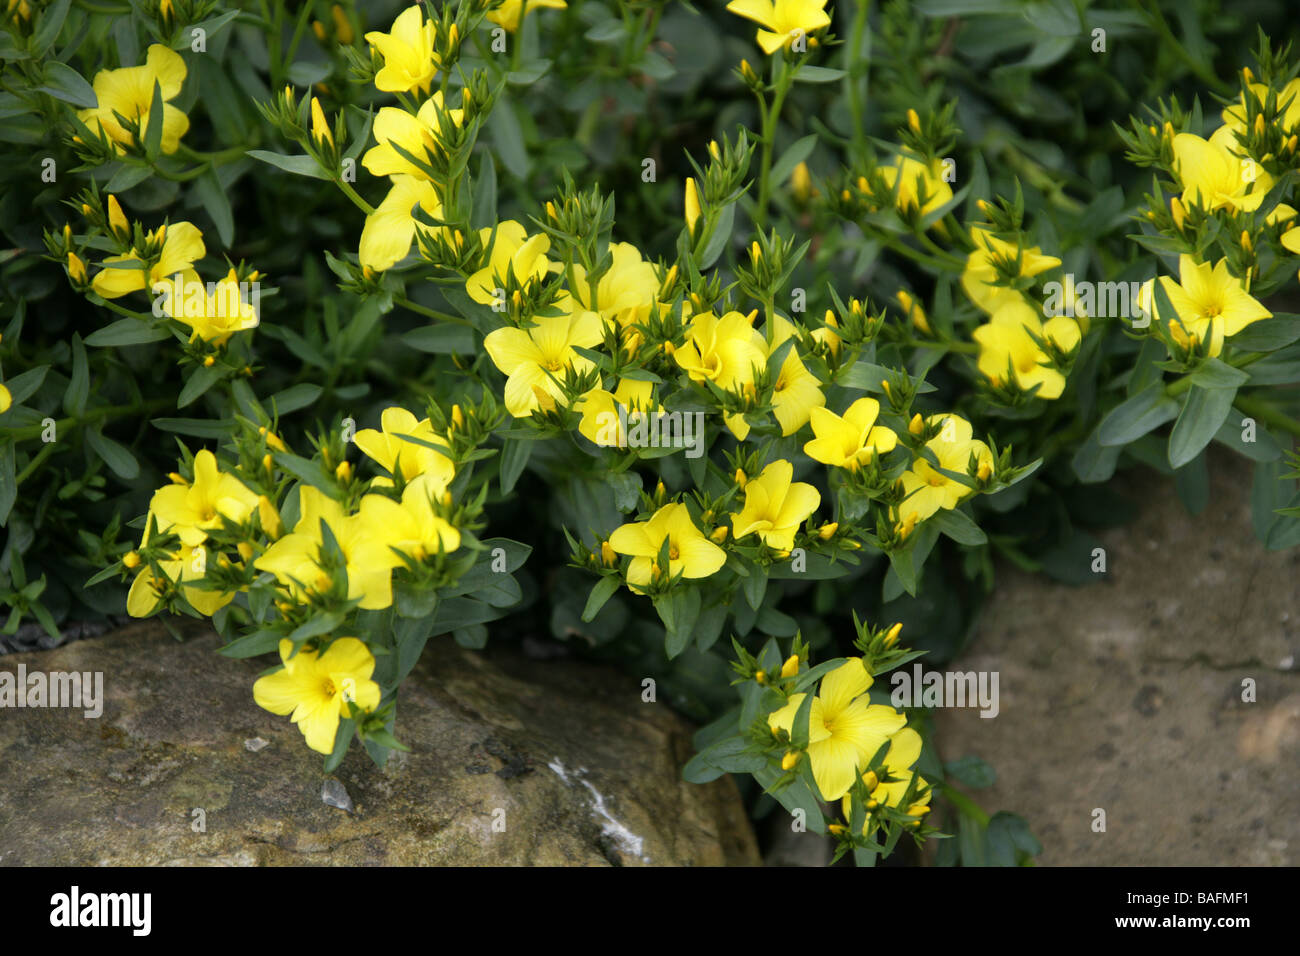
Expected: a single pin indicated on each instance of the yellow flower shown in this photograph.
(409, 59)
(796, 391)
(214, 314)
(191, 511)
(512, 251)
(978, 278)
(690, 553)
(527, 355)
(363, 540)
(852, 441)
(600, 411)
(511, 12)
(186, 564)
(692, 205)
(774, 507)
(182, 244)
(1214, 176)
(394, 453)
(1005, 340)
(1211, 303)
(420, 135)
(783, 20)
(1288, 100)
(887, 786)
(387, 234)
(915, 313)
(927, 488)
(129, 92)
(413, 527)
(627, 293)
(725, 351)
(844, 729)
(916, 179)
(317, 688)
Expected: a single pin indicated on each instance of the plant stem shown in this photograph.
(431, 313)
(351, 193)
(1258, 408)
(781, 80)
(965, 804)
(857, 70)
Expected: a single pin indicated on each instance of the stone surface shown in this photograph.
(1126, 695)
(566, 755)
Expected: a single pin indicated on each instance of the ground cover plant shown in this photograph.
(733, 342)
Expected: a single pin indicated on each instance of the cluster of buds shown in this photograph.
(879, 646)
(582, 217)
(339, 29)
(931, 136)
(448, 249)
(723, 179)
(772, 258)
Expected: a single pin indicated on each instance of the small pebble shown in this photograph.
(334, 794)
(255, 744)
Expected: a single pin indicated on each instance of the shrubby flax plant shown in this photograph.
(747, 381)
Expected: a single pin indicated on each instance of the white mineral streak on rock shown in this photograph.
(626, 841)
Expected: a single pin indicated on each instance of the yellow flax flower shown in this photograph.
(413, 527)
(527, 355)
(783, 21)
(887, 786)
(725, 351)
(191, 511)
(851, 441)
(182, 245)
(796, 391)
(1005, 340)
(386, 447)
(420, 135)
(362, 538)
(1211, 303)
(511, 12)
(1288, 101)
(980, 273)
(214, 311)
(915, 180)
(388, 232)
(129, 92)
(513, 250)
(775, 507)
(600, 411)
(690, 553)
(927, 488)
(187, 564)
(844, 729)
(317, 688)
(410, 62)
(1214, 176)
(627, 293)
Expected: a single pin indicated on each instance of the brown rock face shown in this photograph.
(1127, 695)
(513, 762)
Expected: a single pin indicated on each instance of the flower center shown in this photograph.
(673, 553)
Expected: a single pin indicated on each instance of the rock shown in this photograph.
(513, 762)
(1127, 695)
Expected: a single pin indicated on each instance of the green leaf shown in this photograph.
(217, 205)
(484, 214)
(444, 338)
(197, 427)
(721, 233)
(295, 397)
(514, 457)
(251, 645)
(24, 385)
(959, 526)
(127, 331)
(678, 609)
(347, 728)
(74, 399)
(64, 83)
(47, 30)
(509, 139)
(121, 461)
(1131, 419)
(607, 33)
(202, 379)
(154, 128)
(600, 594)
(1202, 416)
(799, 151)
(1268, 335)
(298, 165)
(8, 481)
(1217, 374)
(818, 74)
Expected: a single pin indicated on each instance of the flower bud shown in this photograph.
(917, 425)
(693, 210)
(790, 760)
(791, 666)
(719, 534)
(913, 120)
(320, 128)
(131, 560)
(891, 636)
(117, 219)
(343, 472)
